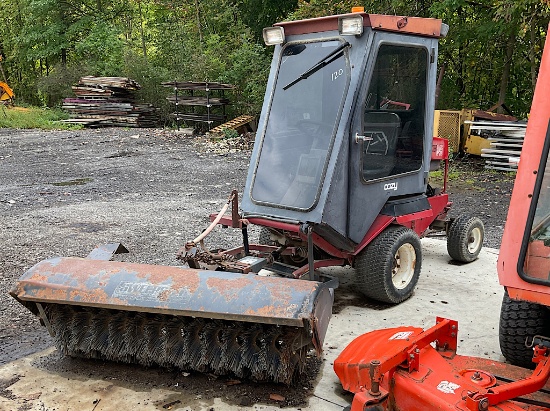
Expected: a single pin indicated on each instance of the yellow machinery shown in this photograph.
(454, 125)
(6, 93)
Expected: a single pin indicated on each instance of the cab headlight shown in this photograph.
(273, 36)
(350, 26)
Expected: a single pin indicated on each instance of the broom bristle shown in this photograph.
(262, 352)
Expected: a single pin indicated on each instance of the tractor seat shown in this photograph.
(303, 189)
(381, 130)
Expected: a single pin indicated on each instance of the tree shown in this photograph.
(47, 44)
(484, 53)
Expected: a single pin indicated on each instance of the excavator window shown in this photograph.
(535, 253)
(393, 123)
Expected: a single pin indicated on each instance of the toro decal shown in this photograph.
(448, 387)
(402, 335)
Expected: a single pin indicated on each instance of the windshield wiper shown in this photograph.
(334, 55)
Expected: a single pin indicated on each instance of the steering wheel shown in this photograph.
(378, 137)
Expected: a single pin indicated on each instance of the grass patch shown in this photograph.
(34, 117)
(437, 175)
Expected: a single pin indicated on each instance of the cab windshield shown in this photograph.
(304, 113)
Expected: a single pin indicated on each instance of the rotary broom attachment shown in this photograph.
(256, 351)
(224, 323)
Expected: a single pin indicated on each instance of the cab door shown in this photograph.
(389, 133)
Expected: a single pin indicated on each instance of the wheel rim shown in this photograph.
(403, 267)
(474, 240)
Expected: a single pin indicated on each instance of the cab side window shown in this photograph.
(393, 123)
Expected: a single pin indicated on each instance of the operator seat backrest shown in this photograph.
(307, 179)
(381, 131)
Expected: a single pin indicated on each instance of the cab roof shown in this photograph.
(420, 26)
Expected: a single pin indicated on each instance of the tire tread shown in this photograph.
(518, 321)
(457, 238)
(374, 262)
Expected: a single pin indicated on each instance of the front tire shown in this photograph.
(388, 268)
(521, 320)
(465, 238)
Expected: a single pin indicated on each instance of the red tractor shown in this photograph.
(338, 176)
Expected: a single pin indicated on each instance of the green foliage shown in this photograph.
(33, 117)
(491, 54)
(230, 133)
(248, 71)
(102, 49)
(258, 14)
(319, 8)
(149, 76)
(57, 85)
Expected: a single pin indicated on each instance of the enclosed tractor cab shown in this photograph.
(338, 176)
(344, 149)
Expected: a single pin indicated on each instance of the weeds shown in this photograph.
(230, 133)
(34, 117)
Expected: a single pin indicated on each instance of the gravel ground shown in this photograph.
(65, 192)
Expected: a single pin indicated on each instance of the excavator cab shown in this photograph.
(524, 258)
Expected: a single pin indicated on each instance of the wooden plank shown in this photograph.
(198, 117)
(498, 157)
(198, 100)
(233, 124)
(503, 168)
(115, 82)
(505, 140)
(503, 162)
(503, 124)
(496, 128)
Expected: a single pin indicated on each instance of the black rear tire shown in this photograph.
(465, 238)
(388, 268)
(521, 320)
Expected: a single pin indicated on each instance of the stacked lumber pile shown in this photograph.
(506, 139)
(109, 101)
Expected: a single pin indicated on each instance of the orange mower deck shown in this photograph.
(407, 368)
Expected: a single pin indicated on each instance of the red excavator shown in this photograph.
(407, 368)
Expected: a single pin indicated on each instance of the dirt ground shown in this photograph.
(63, 193)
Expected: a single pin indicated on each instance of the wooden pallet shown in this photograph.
(233, 124)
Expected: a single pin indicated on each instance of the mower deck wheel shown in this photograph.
(521, 321)
(388, 268)
(465, 238)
